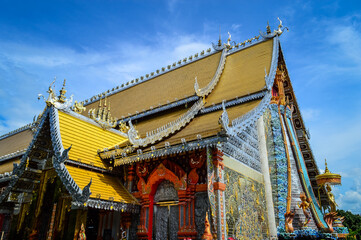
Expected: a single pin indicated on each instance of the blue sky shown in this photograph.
(97, 45)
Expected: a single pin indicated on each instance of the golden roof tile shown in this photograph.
(103, 186)
(243, 74)
(17, 142)
(168, 87)
(86, 138)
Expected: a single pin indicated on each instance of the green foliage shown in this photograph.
(352, 222)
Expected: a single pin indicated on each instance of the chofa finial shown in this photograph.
(269, 34)
(59, 102)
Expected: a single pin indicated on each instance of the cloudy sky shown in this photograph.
(97, 45)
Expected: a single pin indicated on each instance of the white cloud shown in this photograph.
(235, 27)
(351, 199)
(310, 114)
(26, 70)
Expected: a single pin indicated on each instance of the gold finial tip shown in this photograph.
(268, 28)
(326, 168)
(220, 39)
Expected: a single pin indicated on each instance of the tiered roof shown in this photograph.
(184, 104)
(181, 103)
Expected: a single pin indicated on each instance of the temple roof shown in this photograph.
(86, 137)
(239, 77)
(104, 186)
(163, 89)
(206, 125)
(12, 145)
(84, 175)
(80, 167)
(243, 74)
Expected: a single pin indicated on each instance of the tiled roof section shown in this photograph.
(205, 125)
(158, 120)
(85, 138)
(103, 186)
(244, 73)
(16, 142)
(8, 165)
(163, 89)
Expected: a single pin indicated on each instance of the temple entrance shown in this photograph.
(92, 224)
(166, 212)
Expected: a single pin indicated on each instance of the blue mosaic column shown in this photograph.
(280, 158)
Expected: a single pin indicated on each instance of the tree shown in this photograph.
(352, 222)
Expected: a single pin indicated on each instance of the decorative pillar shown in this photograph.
(100, 228)
(130, 178)
(279, 80)
(144, 228)
(219, 187)
(51, 227)
(267, 179)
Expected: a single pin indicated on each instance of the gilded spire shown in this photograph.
(268, 28)
(62, 93)
(326, 168)
(220, 39)
(102, 115)
(59, 102)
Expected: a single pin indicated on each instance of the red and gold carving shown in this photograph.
(219, 186)
(162, 173)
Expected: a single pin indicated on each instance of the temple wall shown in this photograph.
(246, 211)
(244, 147)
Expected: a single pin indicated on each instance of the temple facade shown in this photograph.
(212, 146)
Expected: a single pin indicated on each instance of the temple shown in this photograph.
(212, 146)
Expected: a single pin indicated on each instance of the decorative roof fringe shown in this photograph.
(240, 123)
(150, 76)
(165, 130)
(203, 92)
(167, 150)
(60, 155)
(274, 63)
(231, 49)
(21, 129)
(22, 165)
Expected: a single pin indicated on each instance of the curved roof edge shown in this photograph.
(198, 56)
(20, 168)
(80, 196)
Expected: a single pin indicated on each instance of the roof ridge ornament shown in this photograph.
(226, 45)
(224, 119)
(278, 32)
(103, 116)
(59, 102)
(165, 130)
(203, 92)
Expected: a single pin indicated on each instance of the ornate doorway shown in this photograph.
(166, 212)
